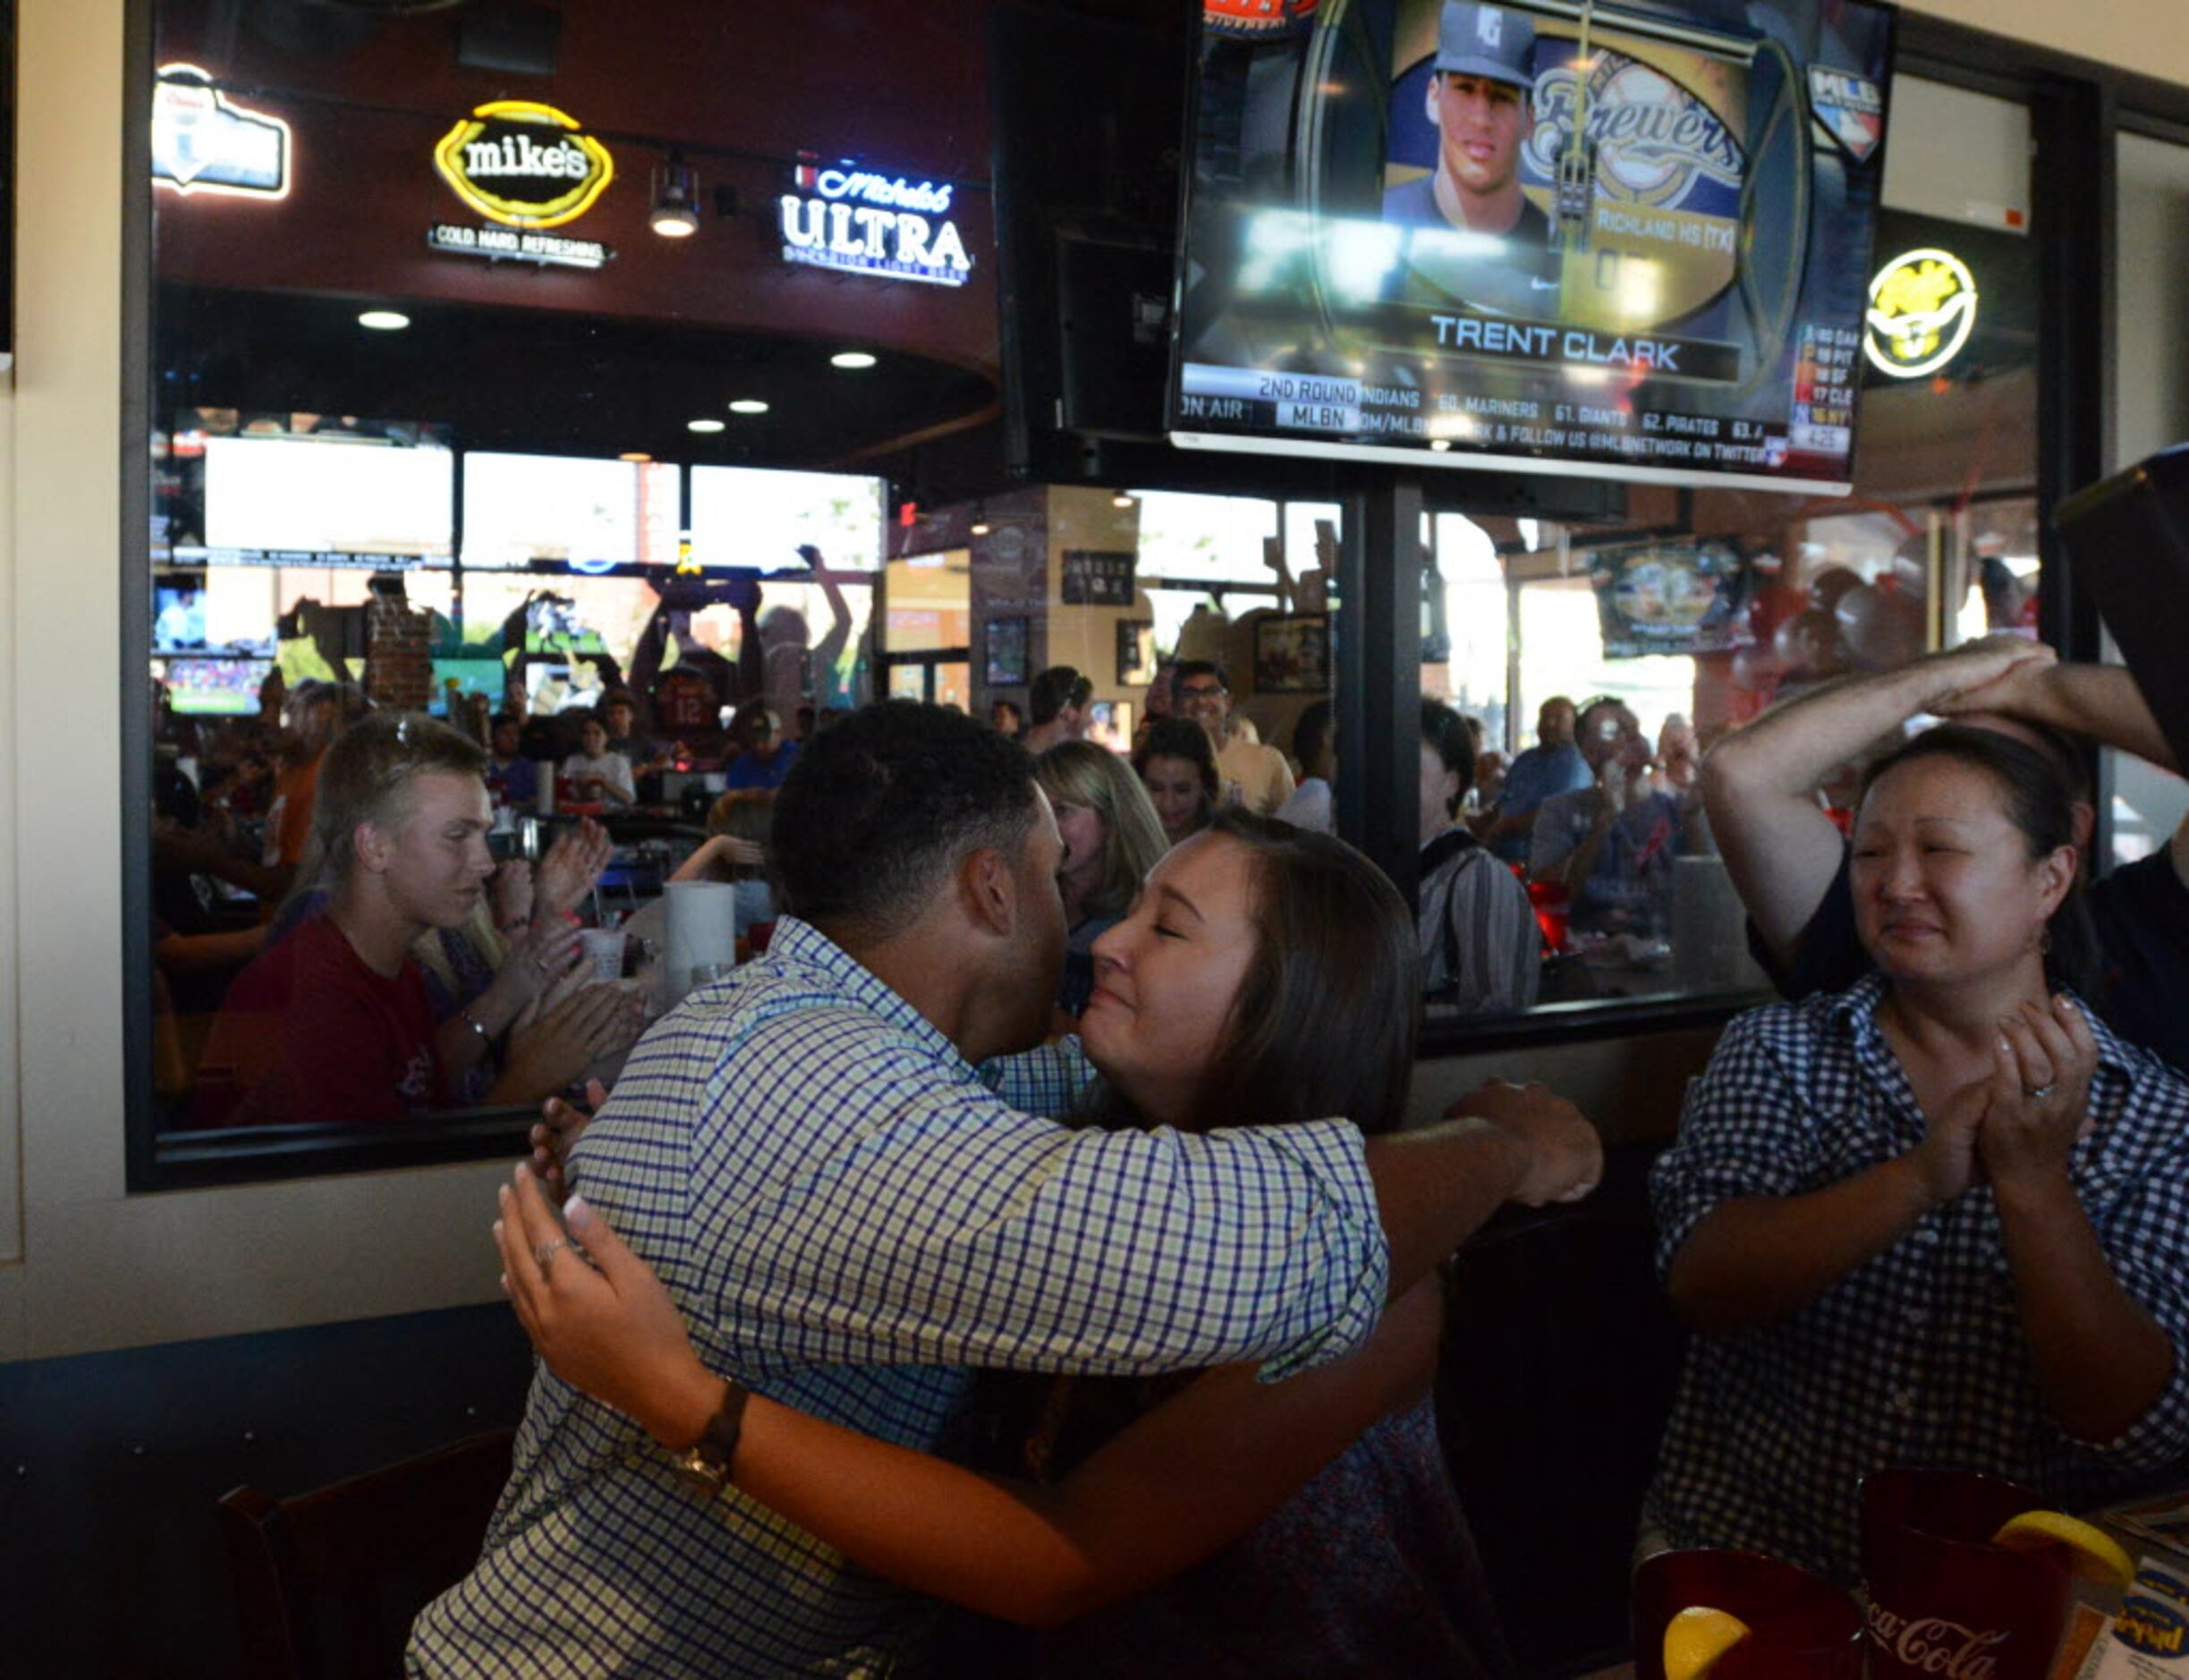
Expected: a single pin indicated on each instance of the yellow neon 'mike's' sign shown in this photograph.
(523, 165)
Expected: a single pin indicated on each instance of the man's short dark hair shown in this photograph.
(1445, 732)
(881, 807)
(1310, 735)
(1053, 689)
(1189, 668)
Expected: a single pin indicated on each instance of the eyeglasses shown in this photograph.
(1202, 691)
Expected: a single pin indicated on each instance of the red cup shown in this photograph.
(1553, 904)
(1945, 1602)
(1800, 1625)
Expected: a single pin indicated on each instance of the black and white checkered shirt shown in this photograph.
(1915, 1357)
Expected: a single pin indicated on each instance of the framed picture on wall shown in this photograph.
(1006, 652)
(1109, 723)
(1135, 650)
(1291, 654)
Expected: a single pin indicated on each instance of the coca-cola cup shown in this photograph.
(1945, 1602)
(1800, 1626)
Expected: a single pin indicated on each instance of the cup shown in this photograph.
(1944, 1600)
(708, 973)
(1800, 1625)
(604, 952)
(1553, 905)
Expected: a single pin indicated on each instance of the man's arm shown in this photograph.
(1758, 784)
(2100, 701)
(1436, 1187)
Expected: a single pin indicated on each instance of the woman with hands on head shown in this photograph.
(1308, 1524)
(1941, 1217)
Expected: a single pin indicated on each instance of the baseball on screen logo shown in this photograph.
(1922, 309)
(523, 165)
(1258, 20)
(1656, 142)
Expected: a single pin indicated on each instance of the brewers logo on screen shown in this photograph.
(1259, 20)
(1922, 309)
(523, 165)
(1667, 187)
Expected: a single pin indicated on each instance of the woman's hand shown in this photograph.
(511, 890)
(2039, 1092)
(561, 1124)
(1946, 1160)
(543, 957)
(573, 865)
(598, 1316)
(550, 1050)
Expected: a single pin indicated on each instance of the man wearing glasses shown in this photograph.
(1254, 776)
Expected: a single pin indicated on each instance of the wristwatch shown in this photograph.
(706, 1463)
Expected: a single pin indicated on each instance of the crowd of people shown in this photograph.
(1096, 1068)
(1139, 1403)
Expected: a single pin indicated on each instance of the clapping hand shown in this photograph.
(560, 1125)
(2039, 1092)
(573, 866)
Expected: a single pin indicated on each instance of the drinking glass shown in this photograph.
(1800, 1625)
(1944, 1600)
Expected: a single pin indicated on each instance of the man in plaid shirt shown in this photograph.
(837, 1163)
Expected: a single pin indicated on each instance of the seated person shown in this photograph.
(620, 710)
(332, 1021)
(735, 851)
(1314, 743)
(1941, 1217)
(1611, 845)
(596, 775)
(1112, 838)
(1481, 947)
(1177, 766)
(1789, 862)
(1554, 764)
(764, 758)
(512, 778)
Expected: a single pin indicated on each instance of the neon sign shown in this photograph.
(204, 142)
(1922, 309)
(861, 221)
(523, 163)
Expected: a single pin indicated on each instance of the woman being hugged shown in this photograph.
(1303, 1527)
(1112, 838)
(1939, 1218)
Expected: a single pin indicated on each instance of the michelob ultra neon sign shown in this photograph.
(862, 220)
(523, 165)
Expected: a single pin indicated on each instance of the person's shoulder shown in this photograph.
(1414, 201)
(1798, 1029)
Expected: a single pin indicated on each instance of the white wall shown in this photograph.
(81, 1265)
(2146, 35)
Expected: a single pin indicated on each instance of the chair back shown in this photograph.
(328, 1582)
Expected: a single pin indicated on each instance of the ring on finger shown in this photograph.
(2038, 1093)
(545, 1251)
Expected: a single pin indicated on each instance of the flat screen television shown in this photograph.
(216, 688)
(1625, 241)
(587, 514)
(178, 616)
(762, 516)
(326, 501)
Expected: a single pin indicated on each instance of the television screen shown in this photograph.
(178, 616)
(471, 677)
(760, 517)
(216, 688)
(326, 501)
(590, 514)
(1622, 241)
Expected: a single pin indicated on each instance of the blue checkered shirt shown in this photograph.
(850, 1215)
(1915, 1357)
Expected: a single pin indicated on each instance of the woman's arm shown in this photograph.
(2099, 1360)
(1186, 1479)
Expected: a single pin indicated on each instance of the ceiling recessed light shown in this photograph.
(850, 359)
(383, 321)
(979, 528)
(1121, 500)
(634, 455)
(748, 405)
(705, 425)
